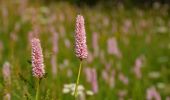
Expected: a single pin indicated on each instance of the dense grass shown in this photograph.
(138, 32)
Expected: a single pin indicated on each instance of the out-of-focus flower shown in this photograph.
(105, 21)
(69, 73)
(127, 25)
(66, 90)
(81, 91)
(67, 43)
(113, 48)
(37, 59)
(54, 65)
(152, 93)
(105, 75)
(137, 67)
(123, 78)
(162, 29)
(122, 94)
(95, 44)
(92, 78)
(109, 78)
(154, 74)
(54, 49)
(54, 40)
(156, 5)
(94, 81)
(161, 85)
(88, 92)
(112, 79)
(80, 39)
(90, 57)
(168, 98)
(7, 97)
(6, 71)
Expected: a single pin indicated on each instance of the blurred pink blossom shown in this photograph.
(152, 93)
(122, 94)
(112, 79)
(105, 75)
(87, 71)
(6, 71)
(54, 65)
(113, 48)
(7, 96)
(168, 98)
(95, 44)
(94, 80)
(127, 25)
(137, 67)
(90, 57)
(123, 78)
(54, 40)
(91, 76)
(67, 43)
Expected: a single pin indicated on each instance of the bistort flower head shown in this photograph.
(80, 39)
(37, 59)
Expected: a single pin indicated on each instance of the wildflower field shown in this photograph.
(124, 52)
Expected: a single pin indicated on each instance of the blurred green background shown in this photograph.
(128, 43)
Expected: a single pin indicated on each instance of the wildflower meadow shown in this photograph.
(62, 50)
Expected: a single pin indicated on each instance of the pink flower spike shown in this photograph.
(6, 71)
(152, 93)
(80, 39)
(37, 59)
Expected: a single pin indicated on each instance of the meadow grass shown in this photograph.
(139, 33)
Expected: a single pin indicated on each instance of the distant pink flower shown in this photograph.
(94, 81)
(122, 94)
(7, 96)
(127, 25)
(108, 66)
(54, 65)
(105, 75)
(55, 41)
(80, 39)
(137, 67)
(37, 59)
(168, 98)
(152, 94)
(67, 43)
(102, 57)
(54, 49)
(91, 76)
(87, 71)
(123, 78)
(95, 43)
(113, 48)
(90, 57)
(112, 79)
(6, 71)
(69, 73)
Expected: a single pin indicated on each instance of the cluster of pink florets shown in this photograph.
(37, 59)
(80, 39)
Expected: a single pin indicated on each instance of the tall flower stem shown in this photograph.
(37, 92)
(78, 77)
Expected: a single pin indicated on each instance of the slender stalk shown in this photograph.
(78, 77)
(37, 92)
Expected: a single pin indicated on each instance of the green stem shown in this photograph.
(37, 92)
(78, 77)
